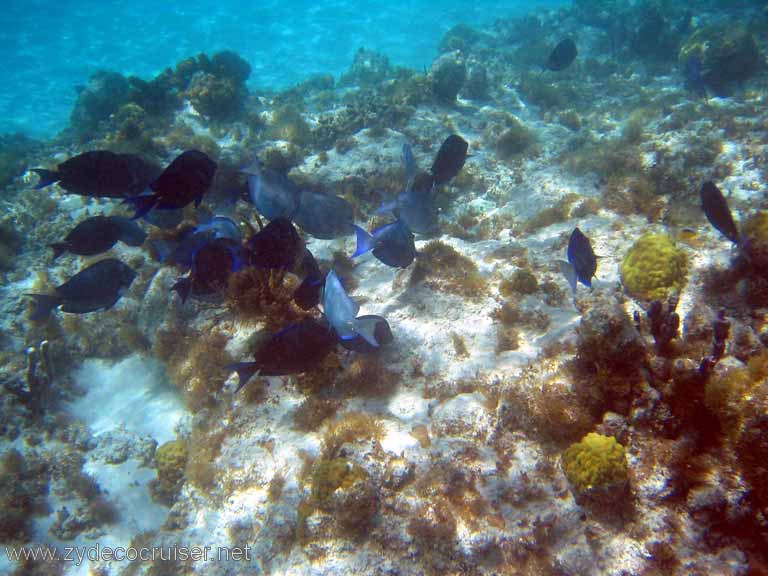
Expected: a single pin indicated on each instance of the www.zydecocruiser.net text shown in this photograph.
(80, 554)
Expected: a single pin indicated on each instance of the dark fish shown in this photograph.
(391, 244)
(415, 206)
(184, 181)
(294, 349)
(307, 295)
(277, 245)
(98, 234)
(219, 227)
(582, 262)
(97, 287)
(381, 332)
(212, 265)
(273, 194)
(324, 216)
(142, 172)
(409, 165)
(693, 78)
(178, 251)
(165, 219)
(562, 56)
(98, 173)
(716, 210)
(450, 159)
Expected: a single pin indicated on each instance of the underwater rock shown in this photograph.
(218, 99)
(477, 84)
(461, 37)
(368, 68)
(447, 75)
(729, 55)
(104, 95)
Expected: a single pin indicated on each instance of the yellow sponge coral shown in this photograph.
(170, 462)
(596, 467)
(654, 267)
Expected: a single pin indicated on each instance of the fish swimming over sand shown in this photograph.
(97, 287)
(381, 332)
(273, 194)
(294, 349)
(392, 244)
(324, 216)
(582, 262)
(341, 312)
(184, 181)
(449, 159)
(100, 173)
(715, 208)
(98, 234)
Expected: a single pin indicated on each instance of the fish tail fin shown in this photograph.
(43, 305)
(245, 371)
(367, 330)
(365, 242)
(183, 287)
(58, 249)
(143, 204)
(47, 177)
(569, 272)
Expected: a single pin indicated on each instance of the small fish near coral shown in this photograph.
(295, 349)
(392, 244)
(582, 262)
(100, 173)
(562, 56)
(97, 287)
(184, 181)
(715, 208)
(98, 234)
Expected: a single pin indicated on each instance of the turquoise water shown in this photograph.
(49, 47)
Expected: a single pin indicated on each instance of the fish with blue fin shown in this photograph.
(341, 313)
(562, 55)
(415, 205)
(97, 287)
(324, 216)
(219, 227)
(99, 173)
(212, 265)
(582, 262)
(692, 74)
(164, 219)
(184, 181)
(295, 349)
(410, 168)
(450, 159)
(392, 244)
(715, 208)
(381, 332)
(98, 234)
(276, 246)
(271, 192)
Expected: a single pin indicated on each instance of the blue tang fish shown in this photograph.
(212, 264)
(277, 245)
(341, 312)
(391, 244)
(273, 194)
(324, 216)
(98, 234)
(715, 208)
(582, 262)
(381, 331)
(97, 287)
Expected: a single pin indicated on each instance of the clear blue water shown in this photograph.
(47, 47)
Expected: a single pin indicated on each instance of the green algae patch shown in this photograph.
(654, 267)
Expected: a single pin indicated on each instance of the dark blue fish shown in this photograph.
(324, 216)
(295, 349)
(409, 165)
(716, 210)
(381, 332)
(582, 262)
(277, 246)
(142, 172)
(416, 205)
(98, 234)
(450, 159)
(307, 295)
(273, 194)
(165, 219)
(99, 173)
(184, 181)
(692, 74)
(219, 227)
(562, 55)
(212, 265)
(391, 244)
(97, 287)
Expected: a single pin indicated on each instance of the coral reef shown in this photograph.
(441, 267)
(654, 267)
(596, 468)
(447, 75)
(170, 463)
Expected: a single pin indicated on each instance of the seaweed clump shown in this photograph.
(255, 294)
(441, 267)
